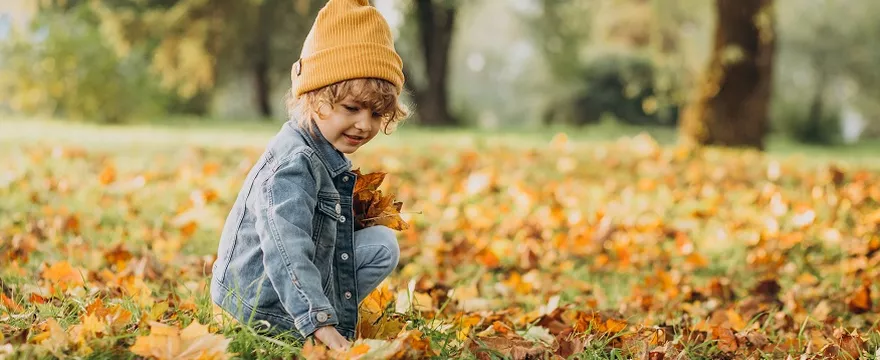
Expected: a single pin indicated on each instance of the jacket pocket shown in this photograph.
(326, 219)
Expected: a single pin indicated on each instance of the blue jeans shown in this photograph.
(376, 254)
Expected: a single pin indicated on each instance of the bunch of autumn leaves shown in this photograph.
(371, 207)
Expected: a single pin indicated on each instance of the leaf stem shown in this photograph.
(384, 216)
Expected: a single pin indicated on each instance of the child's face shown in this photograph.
(348, 126)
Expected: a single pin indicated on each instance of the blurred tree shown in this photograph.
(731, 104)
(560, 30)
(678, 46)
(61, 66)
(433, 23)
(818, 79)
(199, 43)
(602, 58)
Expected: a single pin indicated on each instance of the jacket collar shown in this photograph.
(333, 159)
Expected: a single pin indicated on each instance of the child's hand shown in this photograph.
(332, 338)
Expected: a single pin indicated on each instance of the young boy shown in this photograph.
(289, 255)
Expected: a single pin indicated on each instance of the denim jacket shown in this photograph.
(286, 252)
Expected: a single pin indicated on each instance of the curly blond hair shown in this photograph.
(378, 95)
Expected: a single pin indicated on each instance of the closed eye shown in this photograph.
(351, 108)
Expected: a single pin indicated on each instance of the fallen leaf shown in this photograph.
(860, 301)
(10, 304)
(726, 339)
(373, 321)
(511, 348)
(53, 337)
(63, 275)
(115, 315)
(851, 343)
(569, 343)
(169, 342)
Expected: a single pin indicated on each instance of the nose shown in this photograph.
(364, 122)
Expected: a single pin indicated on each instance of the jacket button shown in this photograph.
(344, 256)
(345, 178)
(341, 219)
(322, 316)
(338, 209)
(348, 294)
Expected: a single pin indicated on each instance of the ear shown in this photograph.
(323, 110)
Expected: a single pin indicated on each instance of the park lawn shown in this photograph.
(604, 242)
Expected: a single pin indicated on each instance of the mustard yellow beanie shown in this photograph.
(349, 39)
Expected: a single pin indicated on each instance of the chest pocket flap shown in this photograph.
(331, 207)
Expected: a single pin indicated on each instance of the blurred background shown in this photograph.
(728, 72)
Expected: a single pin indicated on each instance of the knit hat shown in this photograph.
(349, 39)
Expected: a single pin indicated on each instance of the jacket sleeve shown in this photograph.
(284, 222)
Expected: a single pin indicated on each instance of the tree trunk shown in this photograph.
(732, 100)
(260, 56)
(435, 23)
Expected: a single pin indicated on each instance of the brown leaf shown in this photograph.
(726, 339)
(118, 256)
(851, 343)
(371, 207)
(860, 301)
(569, 343)
(368, 182)
(554, 322)
(656, 355)
(768, 288)
(511, 348)
(757, 339)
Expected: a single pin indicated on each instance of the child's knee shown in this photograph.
(389, 241)
(382, 238)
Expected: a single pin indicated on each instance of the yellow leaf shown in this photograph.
(736, 322)
(373, 321)
(415, 300)
(158, 310)
(53, 338)
(93, 325)
(193, 342)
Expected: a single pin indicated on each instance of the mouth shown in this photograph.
(353, 140)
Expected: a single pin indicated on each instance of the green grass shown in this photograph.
(177, 131)
(167, 147)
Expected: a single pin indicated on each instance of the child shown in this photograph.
(288, 253)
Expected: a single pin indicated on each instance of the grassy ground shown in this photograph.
(230, 134)
(656, 237)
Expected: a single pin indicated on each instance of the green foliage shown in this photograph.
(621, 85)
(62, 67)
(801, 122)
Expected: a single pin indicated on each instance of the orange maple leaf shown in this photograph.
(371, 207)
